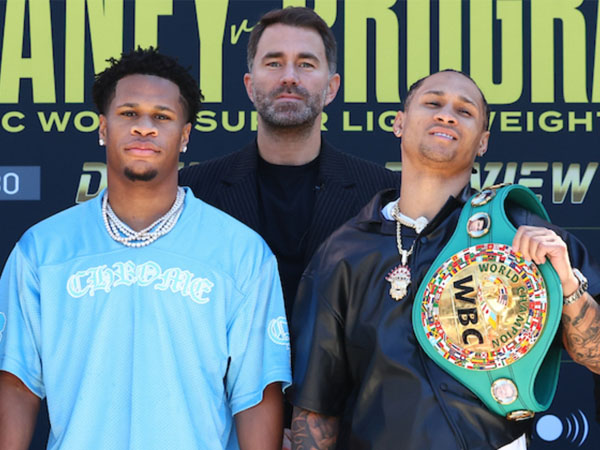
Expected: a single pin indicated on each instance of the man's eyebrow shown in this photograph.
(308, 55)
(135, 105)
(269, 55)
(302, 55)
(462, 97)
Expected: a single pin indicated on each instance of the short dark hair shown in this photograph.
(147, 62)
(413, 88)
(296, 17)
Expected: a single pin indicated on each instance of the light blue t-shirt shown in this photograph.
(147, 348)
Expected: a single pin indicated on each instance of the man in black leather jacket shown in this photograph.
(361, 379)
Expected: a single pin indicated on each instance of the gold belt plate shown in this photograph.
(484, 307)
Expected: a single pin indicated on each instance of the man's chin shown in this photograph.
(146, 175)
(288, 119)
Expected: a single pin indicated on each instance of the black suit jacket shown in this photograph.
(345, 185)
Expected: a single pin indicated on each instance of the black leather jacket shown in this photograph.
(354, 351)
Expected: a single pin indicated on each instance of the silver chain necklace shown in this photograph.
(122, 233)
(399, 277)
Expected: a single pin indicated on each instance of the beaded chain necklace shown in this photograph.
(122, 233)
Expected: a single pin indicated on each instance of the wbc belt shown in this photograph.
(486, 315)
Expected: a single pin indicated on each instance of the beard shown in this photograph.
(146, 175)
(289, 114)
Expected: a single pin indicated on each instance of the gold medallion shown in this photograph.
(504, 391)
(478, 225)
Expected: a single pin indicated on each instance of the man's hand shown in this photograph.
(18, 413)
(538, 244)
(580, 319)
(313, 431)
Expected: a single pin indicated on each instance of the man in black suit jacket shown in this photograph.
(290, 185)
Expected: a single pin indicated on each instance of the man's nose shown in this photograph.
(446, 114)
(144, 126)
(290, 75)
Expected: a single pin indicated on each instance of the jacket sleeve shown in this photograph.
(321, 379)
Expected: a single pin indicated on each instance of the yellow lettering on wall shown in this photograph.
(346, 125)
(386, 121)
(586, 121)
(327, 9)
(86, 121)
(550, 121)
(510, 121)
(39, 66)
(241, 121)
(450, 35)
(543, 15)
(509, 13)
(211, 17)
(386, 51)
(106, 35)
(146, 20)
(417, 40)
(205, 121)
(11, 128)
(596, 81)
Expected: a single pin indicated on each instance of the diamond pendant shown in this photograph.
(399, 279)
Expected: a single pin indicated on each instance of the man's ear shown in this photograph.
(398, 124)
(248, 85)
(332, 88)
(185, 135)
(102, 127)
(483, 143)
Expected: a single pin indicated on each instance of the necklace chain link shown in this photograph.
(123, 234)
(418, 224)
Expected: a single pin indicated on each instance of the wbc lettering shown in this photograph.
(467, 315)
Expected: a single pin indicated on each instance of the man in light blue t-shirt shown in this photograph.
(147, 318)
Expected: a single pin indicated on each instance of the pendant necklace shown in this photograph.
(399, 277)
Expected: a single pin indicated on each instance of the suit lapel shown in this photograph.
(335, 200)
(239, 196)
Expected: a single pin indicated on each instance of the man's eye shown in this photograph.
(432, 103)
(128, 113)
(273, 64)
(306, 65)
(162, 117)
(465, 112)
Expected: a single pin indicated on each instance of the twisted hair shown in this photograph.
(147, 62)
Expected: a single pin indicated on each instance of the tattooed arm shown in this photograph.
(313, 431)
(581, 319)
(581, 332)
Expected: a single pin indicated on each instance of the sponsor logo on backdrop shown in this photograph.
(570, 430)
(20, 182)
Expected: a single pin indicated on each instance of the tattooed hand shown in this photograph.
(581, 332)
(312, 431)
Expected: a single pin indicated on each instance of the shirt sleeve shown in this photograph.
(259, 341)
(321, 379)
(20, 322)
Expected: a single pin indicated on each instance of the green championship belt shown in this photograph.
(486, 315)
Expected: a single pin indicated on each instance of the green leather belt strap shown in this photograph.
(487, 316)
